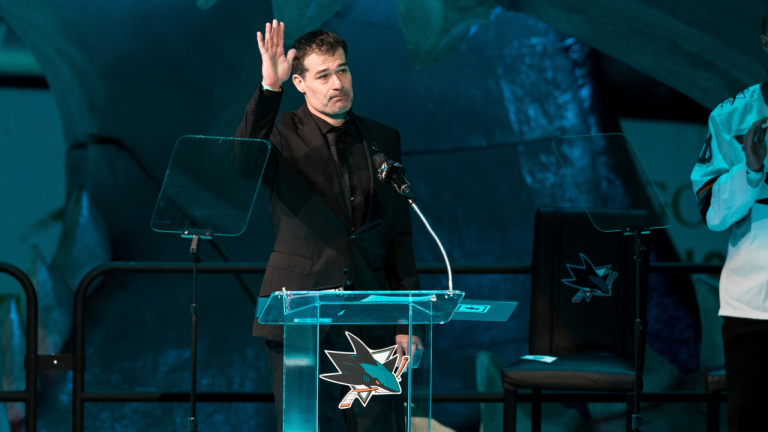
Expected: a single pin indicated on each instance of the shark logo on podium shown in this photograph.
(590, 280)
(366, 372)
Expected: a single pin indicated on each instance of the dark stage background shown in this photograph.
(476, 128)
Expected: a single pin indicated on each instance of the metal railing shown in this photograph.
(80, 396)
(29, 395)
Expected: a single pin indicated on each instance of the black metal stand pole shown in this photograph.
(192, 421)
(641, 258)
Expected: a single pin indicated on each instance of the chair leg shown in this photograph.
(510, 410)
(630, 410)
(713, 412)
(536, 410)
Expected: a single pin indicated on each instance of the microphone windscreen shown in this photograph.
(379, 159)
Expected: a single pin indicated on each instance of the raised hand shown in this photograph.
(275, 65)
(754, 145)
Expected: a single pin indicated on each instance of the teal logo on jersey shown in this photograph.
(706, 153)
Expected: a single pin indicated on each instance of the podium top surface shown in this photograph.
(360, 307)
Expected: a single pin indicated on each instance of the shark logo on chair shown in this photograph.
(366, 372)
(590, 280)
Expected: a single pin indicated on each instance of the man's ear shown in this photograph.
(298, 82)
(764, 41)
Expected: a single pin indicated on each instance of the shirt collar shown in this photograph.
(348, 126)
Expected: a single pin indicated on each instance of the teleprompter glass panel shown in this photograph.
(612, 182)
(360, 307)
(210, 186)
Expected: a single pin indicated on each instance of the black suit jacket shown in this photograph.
(315, 245)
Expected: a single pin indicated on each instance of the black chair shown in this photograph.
(574, 316)
(714, 386)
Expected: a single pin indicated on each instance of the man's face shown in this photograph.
(764, 42)
(327, 84)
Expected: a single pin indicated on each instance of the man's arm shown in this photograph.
(260, 115)
(727, 181)
(263, 108)
(262, 111)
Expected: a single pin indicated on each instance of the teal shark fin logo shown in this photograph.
(590, 280)
(367, 372)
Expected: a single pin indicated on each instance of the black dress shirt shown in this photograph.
(353, 159)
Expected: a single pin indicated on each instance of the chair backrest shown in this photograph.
(583, 287)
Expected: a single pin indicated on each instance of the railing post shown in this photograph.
(30, 402)
(78, 345)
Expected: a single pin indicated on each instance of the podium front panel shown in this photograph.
(302, 313)
(300, 372)
(418, 414)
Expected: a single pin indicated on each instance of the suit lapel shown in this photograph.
(316, 162)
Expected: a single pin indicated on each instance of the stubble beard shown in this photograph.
(332, 108)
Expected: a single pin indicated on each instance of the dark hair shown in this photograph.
(315, 42)
(765, 20)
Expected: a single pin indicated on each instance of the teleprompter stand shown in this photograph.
(209, 189)
(628, 203)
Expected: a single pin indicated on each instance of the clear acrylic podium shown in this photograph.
(303, 312)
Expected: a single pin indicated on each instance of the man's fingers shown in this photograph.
(750, 136)
(404, 349)
(260, 40)
(756, 128)
(758, 125)
(281, 35)
(275, 37)
(268, 37)
(291, 55)
(415, 347)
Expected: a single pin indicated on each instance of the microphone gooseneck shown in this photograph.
(440, 245)
(393, 173)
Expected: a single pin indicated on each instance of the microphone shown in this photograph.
(391, 172)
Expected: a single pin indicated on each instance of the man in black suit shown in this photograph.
(335, 224)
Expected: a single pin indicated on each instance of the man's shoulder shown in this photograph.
(376, 126)
(372, 122)
(288, 119)
(296, 119)
(745, 100)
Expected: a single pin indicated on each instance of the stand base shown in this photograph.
(192, 424)
(637, 422)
